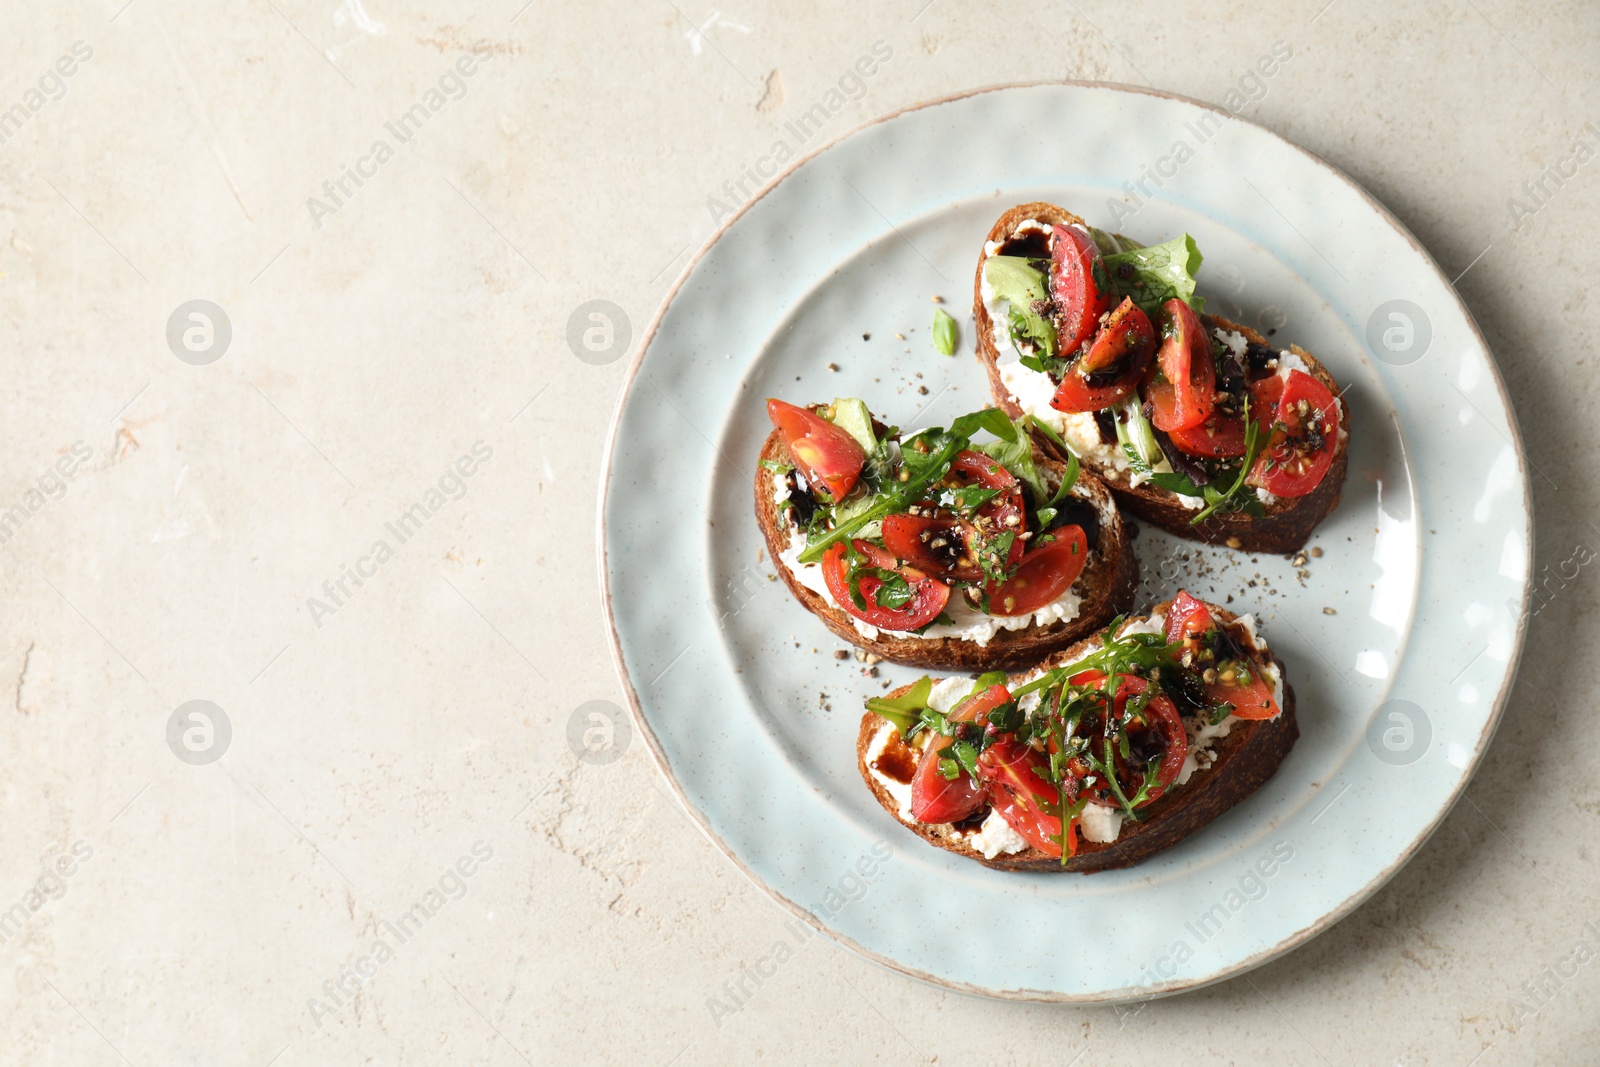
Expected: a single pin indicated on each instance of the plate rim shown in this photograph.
(1289, 942)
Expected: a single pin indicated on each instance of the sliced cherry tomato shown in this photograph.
(1301, 452)
(1190, 391)
(1162, 715)
(1189, 622)
(935, 798)
(939, 545)
(1220, 436)
(1186, 617)
(928, 595)
(1076, 281)
(975, 467)
(1114, 365)
(1159, 718)
(1020, 792)
(826, 454)
(1043, 575)
(1264, 397)
(1250, 700)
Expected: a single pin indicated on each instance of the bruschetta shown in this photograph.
(1108, 752)
(1197, 424)
(967, 548)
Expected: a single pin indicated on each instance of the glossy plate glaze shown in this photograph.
(1401, 639)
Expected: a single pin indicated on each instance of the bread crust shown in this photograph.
(1107, 588)
(1245, 760)
(1288, 523)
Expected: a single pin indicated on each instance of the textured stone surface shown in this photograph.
(375, 342)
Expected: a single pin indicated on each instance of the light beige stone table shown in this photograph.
(349, 502)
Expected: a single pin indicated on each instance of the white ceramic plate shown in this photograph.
(1401, 643)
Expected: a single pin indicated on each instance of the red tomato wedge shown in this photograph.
(1250, 700)
(1160, 717)
(977, 468)
(1186, 617)
(938, 545)
(826, 454)
(1075, 278)
(1188, 622)
(928, 595)
(1301, 451)
(1220, 436)
(1186, 398)
(1020, 792)
(1044, 574)
(1264, 397)
(935, 798)
(1114, 365)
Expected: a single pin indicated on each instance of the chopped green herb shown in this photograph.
(944, 332)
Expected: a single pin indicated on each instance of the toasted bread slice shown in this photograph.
(1106, 587)
(1288, 522)
(1244, 759)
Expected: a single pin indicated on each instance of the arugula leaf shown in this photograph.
(967, 499)
(1021, 285)
(1056, 368)
(987, 679)
(1157, 273)
(994, 420)
(944, 332)
(1046, 512)
(1016, 456)
(776, 467)
(904, 709)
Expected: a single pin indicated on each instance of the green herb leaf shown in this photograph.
(1158, 273)
(944, 332)
(1111, 243)
(893, 591)
(993, 554)
(1022, 285)
(1016, 456)
(904, 709)
(986, 680)
(967, 756)
(967, 499)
